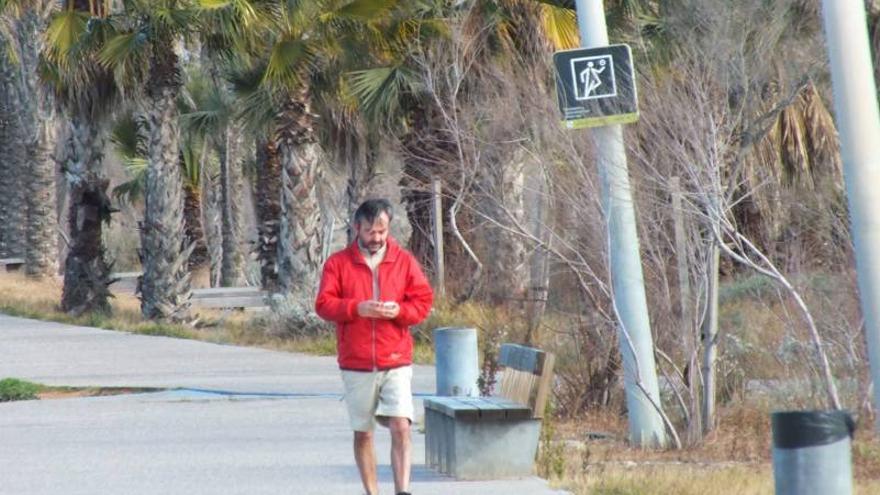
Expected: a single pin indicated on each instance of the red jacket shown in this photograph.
(366, 344)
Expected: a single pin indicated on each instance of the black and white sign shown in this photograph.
(596, 86)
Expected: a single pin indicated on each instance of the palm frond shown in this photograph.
(560, 26)
(365, 10)
(287, 63)
(172, 18)
(191, 163)
(822, 135)
(207, 112)
(132, 190)
(12, 7)
(121, 49)
(130, 143)
(65, 30)
(128, 137)
(257, 109)
(381, 89)
(233, 29)
(246, 13)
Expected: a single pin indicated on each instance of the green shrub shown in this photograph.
(754, 287)
(13, 389)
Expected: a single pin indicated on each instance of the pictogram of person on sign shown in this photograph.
(589, 77)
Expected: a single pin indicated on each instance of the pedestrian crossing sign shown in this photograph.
(596, 86)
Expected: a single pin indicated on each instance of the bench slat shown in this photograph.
(452, 407)
(227, 292)
(522, 358)
(229, 302)
(478, 408)
(527, 376)
(486, 409)
(512, 410)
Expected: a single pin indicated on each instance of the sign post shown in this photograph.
(592, 91)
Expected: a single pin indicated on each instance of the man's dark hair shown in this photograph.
(370, 209)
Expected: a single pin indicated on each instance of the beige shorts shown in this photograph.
(369, 394)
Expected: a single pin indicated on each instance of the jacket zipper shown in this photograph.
(376, 297)
(373, 322)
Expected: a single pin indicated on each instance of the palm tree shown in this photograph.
(287, 74)
(12, 161)
(145, 52)
(268, 212)
(37, 109)
(191, 163)
(238, 37)
(210, 119)
(87, 93)
(256, 104)
(130, 140)
(301, 41)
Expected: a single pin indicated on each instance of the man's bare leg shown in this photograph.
(365, 456)
(401, 446)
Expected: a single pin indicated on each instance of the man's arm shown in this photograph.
(417, 298)
(330, 305)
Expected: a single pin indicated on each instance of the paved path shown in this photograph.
(249, 421)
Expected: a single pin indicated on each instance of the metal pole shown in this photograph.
(858, 123)
(457, 362)
(646, 426)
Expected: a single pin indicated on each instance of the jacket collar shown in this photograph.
(391, 253)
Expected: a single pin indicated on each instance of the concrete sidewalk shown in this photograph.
(248, 421)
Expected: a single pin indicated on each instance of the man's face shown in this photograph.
(373, 236)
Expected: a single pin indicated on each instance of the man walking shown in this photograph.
(374, 290)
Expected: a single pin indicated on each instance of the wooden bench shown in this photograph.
(248, 298)
(492, 437)
(230, 297)
(11, 264)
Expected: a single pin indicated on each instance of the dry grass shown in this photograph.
(48, 393)
(735, 459)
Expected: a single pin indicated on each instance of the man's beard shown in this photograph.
(374, 247)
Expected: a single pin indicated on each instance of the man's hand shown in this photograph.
(387, 310)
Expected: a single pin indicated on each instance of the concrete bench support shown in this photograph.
(479, 439)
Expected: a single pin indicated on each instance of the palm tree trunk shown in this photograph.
(165, 290)
(86, 272)
(232, 268)
(41, 254)
(211, 220)
(199, 263)
(299, 249)
(12, 161)
(268, 212)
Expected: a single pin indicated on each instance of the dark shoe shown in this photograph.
(404, 493)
